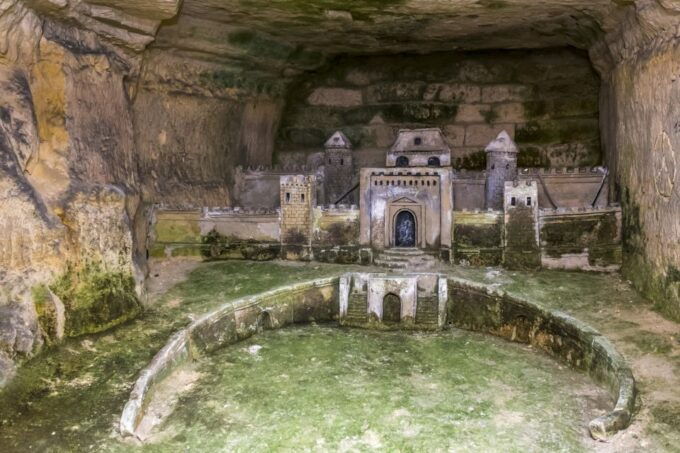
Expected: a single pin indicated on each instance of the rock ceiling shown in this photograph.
(285, 37)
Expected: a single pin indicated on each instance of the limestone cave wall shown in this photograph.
(547, 100)
(643, 135)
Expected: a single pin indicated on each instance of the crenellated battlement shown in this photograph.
(209, 212)
(259, 170)
(338, 208)
(580, 210)
(562, 171)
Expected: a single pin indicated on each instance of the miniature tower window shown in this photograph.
(528, 201)
(287, 197)
(402, 161)
(513, 201)
(418, 141)
(433, 162)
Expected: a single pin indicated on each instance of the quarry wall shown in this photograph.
(641, 132)
(547, 100)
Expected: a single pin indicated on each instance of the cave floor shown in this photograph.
(70, 398)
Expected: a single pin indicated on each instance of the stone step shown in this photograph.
(401, 251)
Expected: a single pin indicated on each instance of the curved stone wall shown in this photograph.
(315, 300)
(478, 307)
(471, 306)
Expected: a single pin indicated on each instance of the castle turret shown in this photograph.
(297, 202)
(339, 168)
(501, 166)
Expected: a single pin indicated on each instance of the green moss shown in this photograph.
(260, 45)
(473, 161)
(562, 131)
(95, 298)
(532, 157)
(396, 390)
(490, 116)
(216, 246)
(47, 317)
(419, 112)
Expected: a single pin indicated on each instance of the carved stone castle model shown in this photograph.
(414, 211)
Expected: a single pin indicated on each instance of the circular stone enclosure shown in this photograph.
(470, 306)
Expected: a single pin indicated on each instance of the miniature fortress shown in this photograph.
(412, 212)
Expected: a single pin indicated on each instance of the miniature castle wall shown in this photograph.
(258, 187)
(581, 238)
(478, 237)
(569, 187)
(215, 233)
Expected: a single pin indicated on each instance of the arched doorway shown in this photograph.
(264, 321)
(405, 229)
(391, 308)
(402, 161)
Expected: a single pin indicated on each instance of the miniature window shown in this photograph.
(402, 161)
(417, 141)
(287, 197)
(528, 201)
(329, 160)
(428, 183)
(434, 183)
(493, 166)
(507, 166)
(342, 161)
(302, 197)
(433, 162)
(513, 201)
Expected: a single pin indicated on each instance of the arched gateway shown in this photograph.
(405, 229)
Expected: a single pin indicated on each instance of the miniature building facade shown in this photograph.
(417, 208)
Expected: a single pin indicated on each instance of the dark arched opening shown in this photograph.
(405, 229)
(264, 321)
(391, 308)
(402, 161)
(433, 162)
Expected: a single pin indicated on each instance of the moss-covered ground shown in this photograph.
(70, 397)
(321, 388)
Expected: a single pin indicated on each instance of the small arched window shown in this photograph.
(287, 197)
(433, 162)
(342, 161)
(417, 141)
(402, 161)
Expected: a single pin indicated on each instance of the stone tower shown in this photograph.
(339, 168)
(501, 166)
(520, 243)
(298, 198)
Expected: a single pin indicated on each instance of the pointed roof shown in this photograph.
(502, 143)
(338, 141)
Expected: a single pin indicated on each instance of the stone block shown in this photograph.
(511, 112)
(472, 113)
(483, 134)
(454, 134)
(335, 97)
(395, 91)
(505, 93)
(459, 92)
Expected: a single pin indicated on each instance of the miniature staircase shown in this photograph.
(427, 310)
(405, 258)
